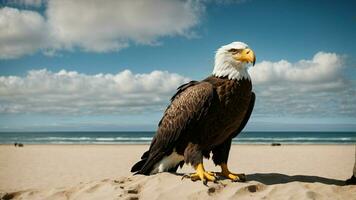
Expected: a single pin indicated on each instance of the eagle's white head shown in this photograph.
(232, 61)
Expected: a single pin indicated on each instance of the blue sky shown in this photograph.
(307, 48)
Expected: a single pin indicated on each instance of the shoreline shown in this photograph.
(145, 138)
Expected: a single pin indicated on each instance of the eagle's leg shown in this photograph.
(220, 157)
(234, 177)
(202, 175)
(193, 155)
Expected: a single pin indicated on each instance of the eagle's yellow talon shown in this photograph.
(202, 175)
(211, 173)
(194, 177)
(232, 176)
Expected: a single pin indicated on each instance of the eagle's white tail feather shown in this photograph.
(167, 163)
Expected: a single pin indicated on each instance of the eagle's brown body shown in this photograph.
(203, 117)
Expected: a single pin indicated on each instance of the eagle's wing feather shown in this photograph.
(221, 152)
(247, 115)
(189, 105)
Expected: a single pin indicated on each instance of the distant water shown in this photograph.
(146, 137)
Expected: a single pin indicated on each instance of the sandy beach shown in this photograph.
(103, 172)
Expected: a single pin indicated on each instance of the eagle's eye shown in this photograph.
(234, 51)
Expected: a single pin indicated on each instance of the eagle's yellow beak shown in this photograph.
(246, 55)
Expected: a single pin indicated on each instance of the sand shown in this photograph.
(103, 172)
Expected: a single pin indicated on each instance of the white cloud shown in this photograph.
(97, 26)
(324, 67)
(313, 87)
(111, 25)
(21, 32)
(69, 92)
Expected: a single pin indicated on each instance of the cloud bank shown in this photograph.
(95, 26)
(69, 92)
(315, 88)
(323, 67)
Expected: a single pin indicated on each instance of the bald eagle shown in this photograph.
(203, 117)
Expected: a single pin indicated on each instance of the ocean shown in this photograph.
(146, 137)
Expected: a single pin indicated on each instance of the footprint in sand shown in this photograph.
(120, 180)
(215, 188)
(133, 189)
(131, 197)
(7, 196)
(252, 188)
(256, 188)
(130, 192)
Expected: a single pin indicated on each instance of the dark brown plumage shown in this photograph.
(203, 117)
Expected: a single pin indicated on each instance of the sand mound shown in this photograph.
(170, 186)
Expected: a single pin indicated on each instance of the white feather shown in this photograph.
(167, 162)
(227, 66)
